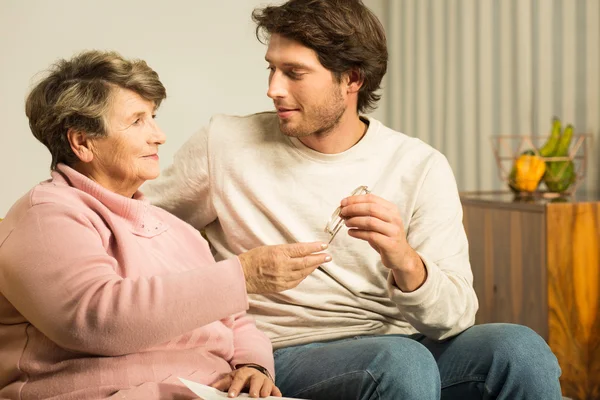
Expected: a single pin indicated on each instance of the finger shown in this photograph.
(295, 250)
(295, 277)
(291, 283)
(267, 388)
(375, 239)
(222, 384)
(276, 392)
(366, 198)
(256, 382)
(312, 261)
(239, 382)
(370, 209)
(295, 269)
(306, 267)
(303, 266)
(374, 225)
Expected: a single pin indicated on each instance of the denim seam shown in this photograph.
(376, 383)
(335, 377)
(464, 379)
(490, 391)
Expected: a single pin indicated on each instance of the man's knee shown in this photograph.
(366, 368)
(521, 346)
(523, 352)
(403, 368)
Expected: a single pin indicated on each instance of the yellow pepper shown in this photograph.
(527, 172)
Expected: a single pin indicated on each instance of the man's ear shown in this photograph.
(354, 80)
(81, 145)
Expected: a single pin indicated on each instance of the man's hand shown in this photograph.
(270, 269)
(378, 222)
(257, 383)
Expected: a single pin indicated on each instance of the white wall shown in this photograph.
(204, 51)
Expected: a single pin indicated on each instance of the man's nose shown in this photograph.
(277, 86)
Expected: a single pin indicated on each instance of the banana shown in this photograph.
(550, 146)
(560, 175)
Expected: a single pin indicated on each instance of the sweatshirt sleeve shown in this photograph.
(183, 189)
(445, 304)
(56, 272)
(251, 346)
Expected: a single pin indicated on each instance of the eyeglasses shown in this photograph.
(336, 221)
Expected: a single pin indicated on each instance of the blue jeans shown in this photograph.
(492, 361)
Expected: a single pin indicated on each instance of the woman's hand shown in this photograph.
(271, 269)
(257, 383)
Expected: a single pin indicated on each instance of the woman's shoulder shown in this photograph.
(51, 192)
(51, 197)
(44, 199)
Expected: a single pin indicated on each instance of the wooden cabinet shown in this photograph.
(537, 263)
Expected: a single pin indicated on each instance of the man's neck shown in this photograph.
(344, 135)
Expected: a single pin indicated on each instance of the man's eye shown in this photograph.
(137, 121)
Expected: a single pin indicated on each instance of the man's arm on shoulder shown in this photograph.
(183, 189)
(445, 304)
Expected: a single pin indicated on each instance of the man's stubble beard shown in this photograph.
(322, 123)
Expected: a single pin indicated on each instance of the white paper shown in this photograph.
(209, 393)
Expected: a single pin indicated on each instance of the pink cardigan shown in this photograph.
(103, 295)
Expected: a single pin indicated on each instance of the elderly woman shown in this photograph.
(101, 293)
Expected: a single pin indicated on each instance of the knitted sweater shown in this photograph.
(250, 185)
(104, 295)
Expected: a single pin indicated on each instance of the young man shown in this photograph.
(390, 317)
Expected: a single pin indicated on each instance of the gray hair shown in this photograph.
(76, 94)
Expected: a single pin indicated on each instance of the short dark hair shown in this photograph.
(77, 93)
(345, 34)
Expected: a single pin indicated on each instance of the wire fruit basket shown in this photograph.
(508, 148)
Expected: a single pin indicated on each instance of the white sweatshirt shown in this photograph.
(249, 185)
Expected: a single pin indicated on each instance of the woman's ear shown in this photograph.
(81, 145)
